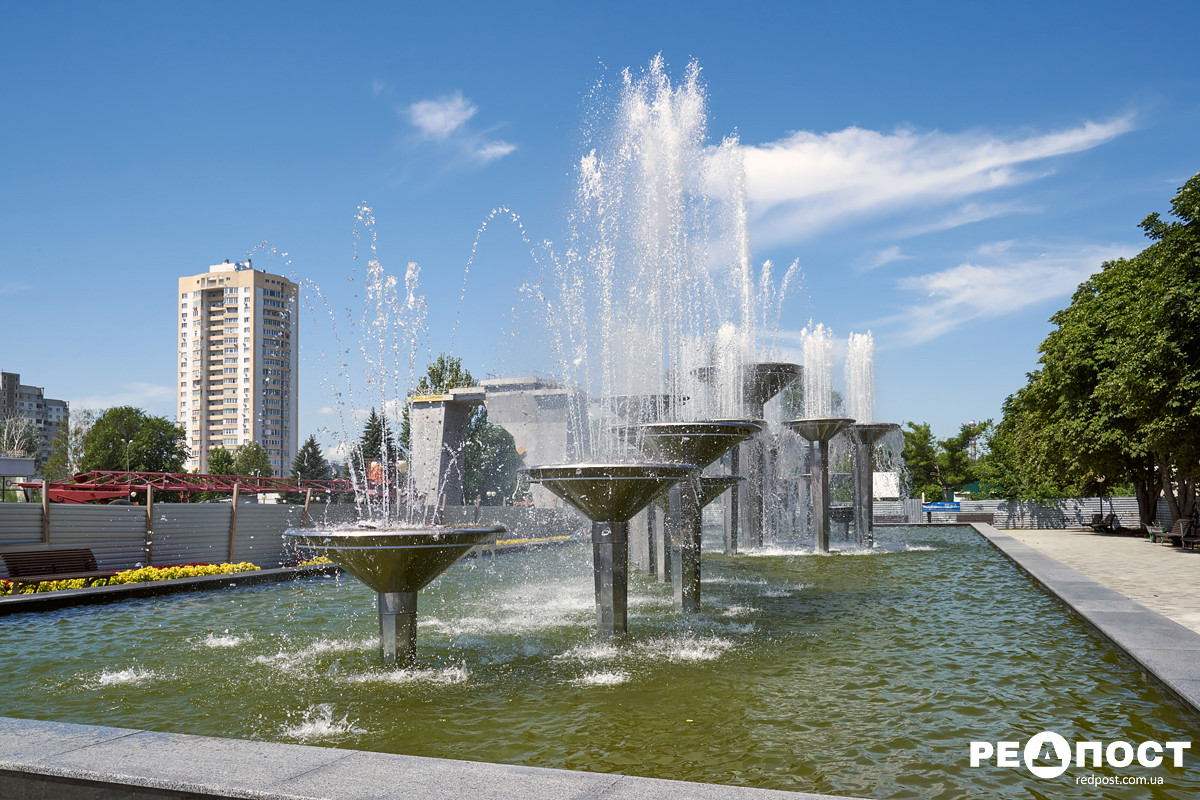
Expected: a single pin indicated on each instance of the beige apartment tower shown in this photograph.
(238, 342)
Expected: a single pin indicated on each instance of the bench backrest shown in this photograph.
(47, 562)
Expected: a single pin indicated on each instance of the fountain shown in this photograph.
(755, 384)
(609, 495)
(698, 443)
(819, 426)
(860, 392)
(396, 564)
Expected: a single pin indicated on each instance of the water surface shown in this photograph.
(860, 674)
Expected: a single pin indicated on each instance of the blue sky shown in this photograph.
(945, 173)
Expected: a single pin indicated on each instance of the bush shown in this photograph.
(140, 575)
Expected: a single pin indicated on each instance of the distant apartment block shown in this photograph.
(238, 342)
(30, 402)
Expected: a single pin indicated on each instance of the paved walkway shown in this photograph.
(1162, 578)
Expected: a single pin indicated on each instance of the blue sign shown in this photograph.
(940, 507)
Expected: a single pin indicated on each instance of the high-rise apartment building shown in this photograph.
(30, 402)
(238, 342)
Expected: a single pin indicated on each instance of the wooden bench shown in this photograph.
(1103, 524)
(56, 564)
(1175, 536)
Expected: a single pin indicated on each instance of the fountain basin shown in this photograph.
(403, 560)
(711, 487)
(759, 381)
(396, 564)
(819, 430)
(699, 443)
(609, 495)
(608, 492)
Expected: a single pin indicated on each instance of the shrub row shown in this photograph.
(139, 575)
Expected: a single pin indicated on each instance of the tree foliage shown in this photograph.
(251, 459)
(128, 436)
(1117, 396)
(939, 468)
(308, 465)
(490, 461)
(220, 462)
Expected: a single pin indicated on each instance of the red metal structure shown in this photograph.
(105, 485)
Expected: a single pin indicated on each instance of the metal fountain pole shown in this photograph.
(865, 437)
(818, 432)
(398, 628)
(610, 566)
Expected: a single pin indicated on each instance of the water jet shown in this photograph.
(609, 495)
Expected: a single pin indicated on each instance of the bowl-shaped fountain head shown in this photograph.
(871, 432)
(764, 380)
(711, 487)
(403, 560)
(608, 492)
(699, 443)
(760, 381)
(819, 430)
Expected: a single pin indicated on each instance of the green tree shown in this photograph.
(220, 462)
(954, 466)
(309, 465)
(920, 460)
(1114, 400)
(490, 461)
(251, 459)
(377, 442)
(127, 435)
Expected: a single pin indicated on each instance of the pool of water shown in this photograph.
(854, 673)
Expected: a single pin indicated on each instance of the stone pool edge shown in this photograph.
(91, 762)
(1161, 647)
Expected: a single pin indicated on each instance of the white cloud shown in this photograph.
(969, 213)
(437, 119)
(999, 280)
(493, 150)
(809, 182)
(445, 120)
(13, 288)
(883, 257)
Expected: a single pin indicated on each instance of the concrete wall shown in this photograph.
(179, 533)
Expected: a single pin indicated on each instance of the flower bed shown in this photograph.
(139, 575)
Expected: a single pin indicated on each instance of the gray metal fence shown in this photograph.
(123, 538)
(1065, 513)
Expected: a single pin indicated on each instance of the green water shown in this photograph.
(850, 674)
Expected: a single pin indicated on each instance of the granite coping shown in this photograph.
(53, 759)
(1161, 647)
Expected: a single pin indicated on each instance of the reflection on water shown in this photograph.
(863, 673)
